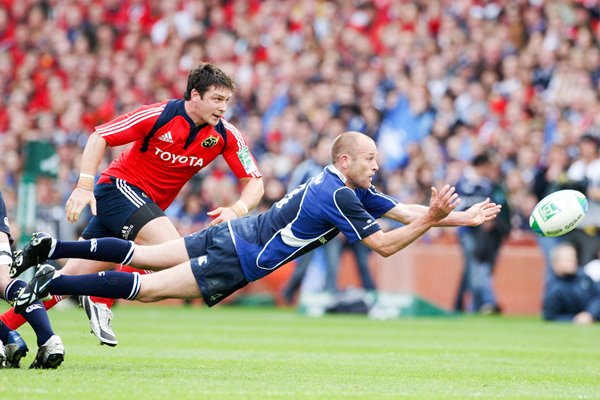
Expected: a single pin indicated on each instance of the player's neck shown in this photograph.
(193, 116)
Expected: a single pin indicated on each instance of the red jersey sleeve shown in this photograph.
(237, 154)
(132, 126)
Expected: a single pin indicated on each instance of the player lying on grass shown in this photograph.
(215, 262)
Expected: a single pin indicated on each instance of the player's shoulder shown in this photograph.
(143, 112)
(344, 194)
(154, 106)
(225, 127)
(332, 184)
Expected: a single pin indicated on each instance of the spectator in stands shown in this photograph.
(480, 245)
(584, 175)
(570, 295)
(550, 176)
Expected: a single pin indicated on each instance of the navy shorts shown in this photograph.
(122, 210)
(215, 263)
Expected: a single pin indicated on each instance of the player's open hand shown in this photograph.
(222, 214)
(483, 211)
(77, 202)
(442, 202)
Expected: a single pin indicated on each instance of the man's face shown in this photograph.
(565, 261)
(363, 165)
(588, 148)
(210, 108)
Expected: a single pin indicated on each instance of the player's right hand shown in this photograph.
(77, 202)
(442, 202)
(221, 214)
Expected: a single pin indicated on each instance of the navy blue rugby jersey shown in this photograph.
(306, 218)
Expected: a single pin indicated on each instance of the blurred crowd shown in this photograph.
(435, 82)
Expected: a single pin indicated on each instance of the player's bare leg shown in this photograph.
(175, 283)
(161, 256)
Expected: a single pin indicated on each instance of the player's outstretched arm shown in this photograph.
(441, 205)
(476, 215)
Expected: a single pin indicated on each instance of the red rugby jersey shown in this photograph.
(168, 149)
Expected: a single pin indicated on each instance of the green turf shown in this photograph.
(246, 353)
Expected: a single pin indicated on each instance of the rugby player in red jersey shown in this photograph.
(171, 141)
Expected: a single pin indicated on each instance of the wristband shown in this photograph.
(240, 208)
(86, 182)
(244, 206)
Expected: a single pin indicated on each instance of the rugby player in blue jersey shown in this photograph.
(215, 262)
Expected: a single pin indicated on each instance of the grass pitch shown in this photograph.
(171, 352)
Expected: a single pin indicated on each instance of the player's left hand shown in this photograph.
(483, 211)
(222, 214)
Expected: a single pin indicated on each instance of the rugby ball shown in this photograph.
(558, 213)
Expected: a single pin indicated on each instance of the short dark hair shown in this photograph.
(205, 76)
(481, 159)
(590, 138)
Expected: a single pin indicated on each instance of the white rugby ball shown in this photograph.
(558, 213)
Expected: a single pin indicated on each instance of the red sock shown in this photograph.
(14, 321)
(122, 268)
(127, 268)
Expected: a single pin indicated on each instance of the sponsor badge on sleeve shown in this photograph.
(246, 160)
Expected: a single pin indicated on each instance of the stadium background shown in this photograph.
(433, 82)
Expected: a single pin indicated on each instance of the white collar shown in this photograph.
(337, 172)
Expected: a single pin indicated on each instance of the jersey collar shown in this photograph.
(333, 170)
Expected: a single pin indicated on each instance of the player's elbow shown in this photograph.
(382, 249)
(380, 244)
(96, 141)
(384, 252)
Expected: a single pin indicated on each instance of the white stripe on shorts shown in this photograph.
(129, 193)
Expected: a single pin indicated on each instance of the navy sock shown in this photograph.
(35, 314)
(119, 251)
(109, 284)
